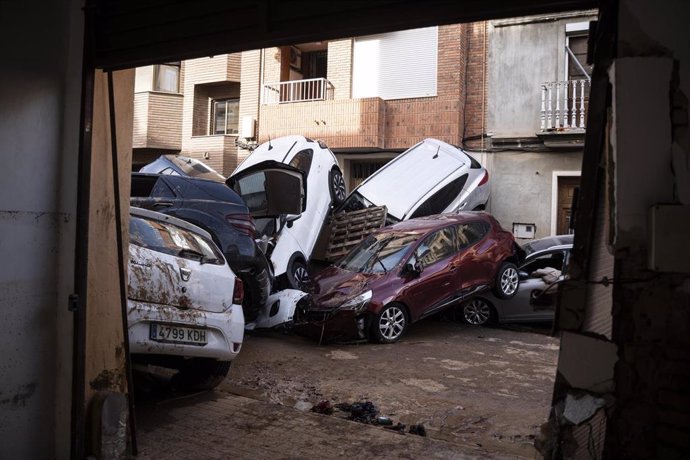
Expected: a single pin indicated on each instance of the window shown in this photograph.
(437, 246)
(302, 161)
(166, 77)
(551, 260)
(225, 118)
(470, 233)
(439, 201)
(396, 65)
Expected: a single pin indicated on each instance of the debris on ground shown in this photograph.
(323, 407)
(366, 412)
(418, 429)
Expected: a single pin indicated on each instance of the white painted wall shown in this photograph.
(40, 87)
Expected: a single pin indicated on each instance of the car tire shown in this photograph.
(297, 273)
(336, 184)
(507, 281)
(390, 324)
(197, 374)
(478, 312)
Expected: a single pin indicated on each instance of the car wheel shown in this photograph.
(198, 374)
(390, 324)
(337, 187)
(478, 312)
(507, 281)
(298, 275)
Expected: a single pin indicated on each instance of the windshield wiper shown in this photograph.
(380, 263)
(191, 253)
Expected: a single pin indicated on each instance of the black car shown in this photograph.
(217, 209)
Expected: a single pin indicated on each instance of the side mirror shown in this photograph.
(290, 218)
(523, 275)
(412, 269)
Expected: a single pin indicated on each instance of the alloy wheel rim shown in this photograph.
(392, 323)
(301, 276)
(339, 186)
(509, 281)
(477, 312)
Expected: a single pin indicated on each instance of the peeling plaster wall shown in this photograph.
(40, 87)
(651, 323)
(645, 162)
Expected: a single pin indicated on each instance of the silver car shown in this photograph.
(432, 177)
(544, 265)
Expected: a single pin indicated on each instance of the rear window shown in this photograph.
(150, 186)
(171, 239)
(440, 200)
(302, 161)
(203, 190)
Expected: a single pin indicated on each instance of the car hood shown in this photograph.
(335, 286)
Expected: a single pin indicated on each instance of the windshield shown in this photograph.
(379, 253)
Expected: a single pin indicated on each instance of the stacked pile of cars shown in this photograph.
(210, 255)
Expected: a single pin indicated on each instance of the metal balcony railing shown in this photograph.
(564, 105)
(312, 89)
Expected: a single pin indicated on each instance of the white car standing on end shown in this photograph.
(299, 175)
(184, 306)
(432, 177)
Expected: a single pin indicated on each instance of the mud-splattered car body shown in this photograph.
(408, 271)
(184, 301)
(222, 213)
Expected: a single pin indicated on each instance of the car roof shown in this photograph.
(420, 168)
(429, 223)
(550, 242)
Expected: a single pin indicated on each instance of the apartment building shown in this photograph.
(513, 91)
(536, 92)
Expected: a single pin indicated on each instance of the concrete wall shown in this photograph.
(523, 54)
(40, 87)
(522, 184)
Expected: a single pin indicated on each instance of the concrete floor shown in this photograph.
(479, 392)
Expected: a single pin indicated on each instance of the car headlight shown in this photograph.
(358, 302)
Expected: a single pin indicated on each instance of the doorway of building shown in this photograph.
(565, 192)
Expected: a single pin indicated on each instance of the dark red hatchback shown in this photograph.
(413, 269)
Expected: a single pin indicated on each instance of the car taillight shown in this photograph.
(238, 292)
(242, 222)
(484, 180)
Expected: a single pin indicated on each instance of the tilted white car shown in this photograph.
(297, 173)
(432, 177)
(184, 306)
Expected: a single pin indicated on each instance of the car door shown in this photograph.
(475, 263)
(271, 189)
(535, 299)
(435, 287)
(172, 266)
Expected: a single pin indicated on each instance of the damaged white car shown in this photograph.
(290, 185)
(184, 306)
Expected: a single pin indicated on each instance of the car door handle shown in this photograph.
(452, 267)
(162, 204)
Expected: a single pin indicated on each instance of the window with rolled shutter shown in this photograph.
(397, 65)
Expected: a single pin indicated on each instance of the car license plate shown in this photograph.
(177, 334)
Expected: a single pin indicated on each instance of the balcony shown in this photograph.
(563, 113)
(157, 121)
(313, 89)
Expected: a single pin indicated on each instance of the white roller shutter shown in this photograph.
(397, 65)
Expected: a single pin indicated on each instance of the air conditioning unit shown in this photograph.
(248, 127)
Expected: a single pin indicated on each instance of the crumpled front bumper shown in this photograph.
(327, 325)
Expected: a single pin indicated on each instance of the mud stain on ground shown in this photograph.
(429, 385)
(342, 355)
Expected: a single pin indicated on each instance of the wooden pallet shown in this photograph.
(349, 228)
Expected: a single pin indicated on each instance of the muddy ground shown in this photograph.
(485, 387)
